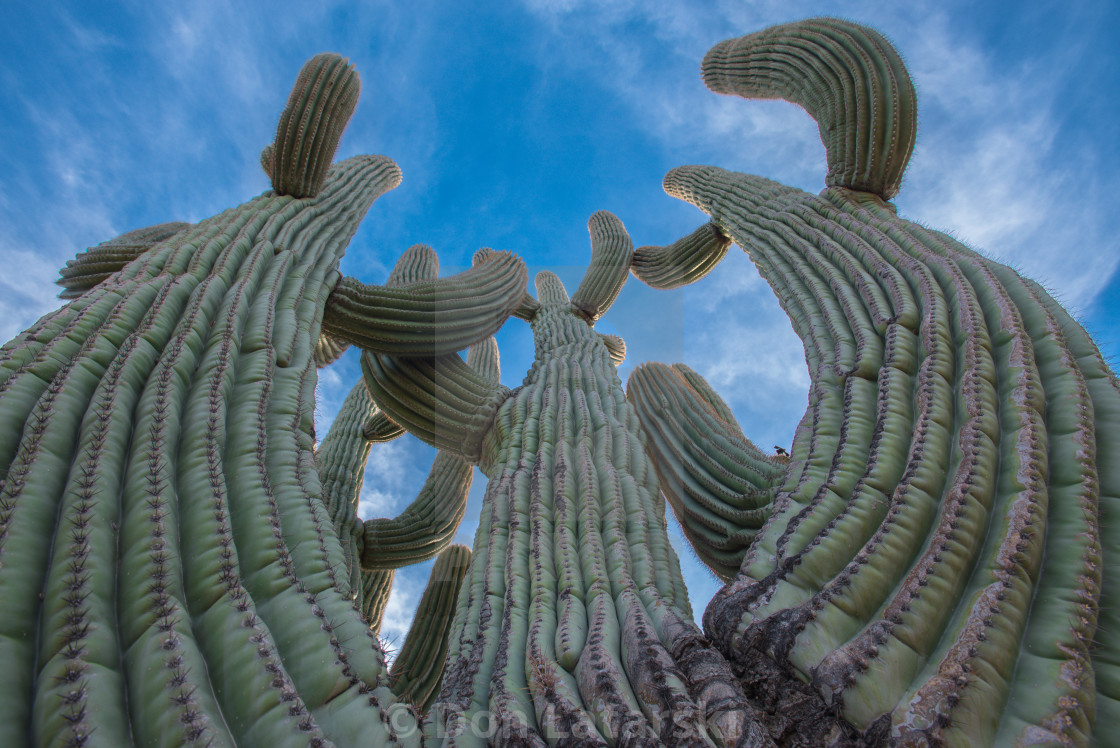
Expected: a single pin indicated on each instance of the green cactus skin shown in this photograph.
(718, 483)
(442, 400)
(939, 552)
(321, 103)
(418, 669)
(616, 346)
(376, 586)
(163, 416)
(328, 350)
(96, 264)
(684, 261)
(573, 620)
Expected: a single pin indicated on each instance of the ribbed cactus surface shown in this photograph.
(937, 561)
(940, 563)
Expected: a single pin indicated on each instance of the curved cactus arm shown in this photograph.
(684, 261)
(431, 317)
(611, 253)
(418, 263)
(443, 401)
(380, 428)
(418, 669)
(847, 77)
(718, 483)
(527, 307)
(427, 525)
(319, 108)
(96, 264)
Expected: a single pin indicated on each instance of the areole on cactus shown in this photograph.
(932, 564)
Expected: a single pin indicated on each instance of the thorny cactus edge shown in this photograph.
(941, 561)
(169, 571)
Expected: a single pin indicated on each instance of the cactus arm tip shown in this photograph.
(611, 253)
(319, 108)
(684, 261)
(868, 126)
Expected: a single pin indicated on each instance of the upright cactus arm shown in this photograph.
(847, 77)
(685, 261)
(319, 107)
(376, 588)
(96, 264)
(431, 317)
(611, 253)
(416, 673)
(718, 483)
(935, 562)
(341, 460)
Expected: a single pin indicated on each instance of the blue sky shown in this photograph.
(513, 122)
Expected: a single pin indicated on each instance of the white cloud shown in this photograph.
(399, 612)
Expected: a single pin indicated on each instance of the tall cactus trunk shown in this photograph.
(573, 623)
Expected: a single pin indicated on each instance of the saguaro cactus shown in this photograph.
(168, 570)
(940, 564)
(573, 623)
